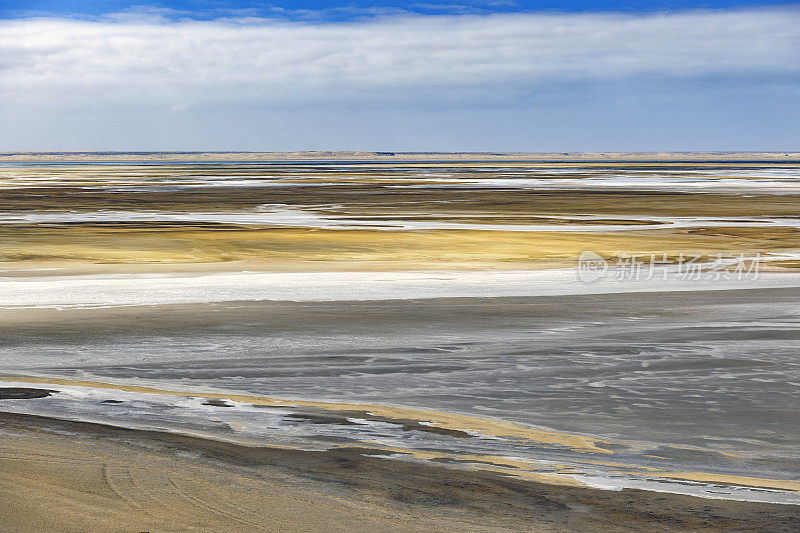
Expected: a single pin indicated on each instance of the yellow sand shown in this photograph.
(58, 483)
(384, 250)
(744, 481)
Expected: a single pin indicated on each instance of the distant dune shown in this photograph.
(10, 157)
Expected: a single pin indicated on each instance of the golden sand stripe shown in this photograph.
(743, 481)
(455, 422)
(439, 419)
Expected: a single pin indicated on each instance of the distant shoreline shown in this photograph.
(364, 156)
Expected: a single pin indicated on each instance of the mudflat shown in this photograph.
(389, 342)
(60, 475)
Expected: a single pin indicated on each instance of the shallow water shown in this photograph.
(683, 382)
(744, 178)
(658, 378)
(283, 216)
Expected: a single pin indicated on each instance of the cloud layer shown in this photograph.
(702, 80)
(257, 60)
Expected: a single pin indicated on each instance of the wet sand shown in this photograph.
(395, 345)
(467, 381)
(66, 476)
(388, 216)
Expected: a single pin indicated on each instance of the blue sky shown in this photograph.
(436, 75)
(349, 9)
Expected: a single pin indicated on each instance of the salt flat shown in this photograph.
(595, 325)
(165, 289)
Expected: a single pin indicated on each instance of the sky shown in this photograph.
(442, 75)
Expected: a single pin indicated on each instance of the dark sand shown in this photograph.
(113, 479)
(23, 393)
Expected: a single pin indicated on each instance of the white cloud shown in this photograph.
(256, 60)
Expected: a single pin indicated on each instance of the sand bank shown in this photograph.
(78, 477)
